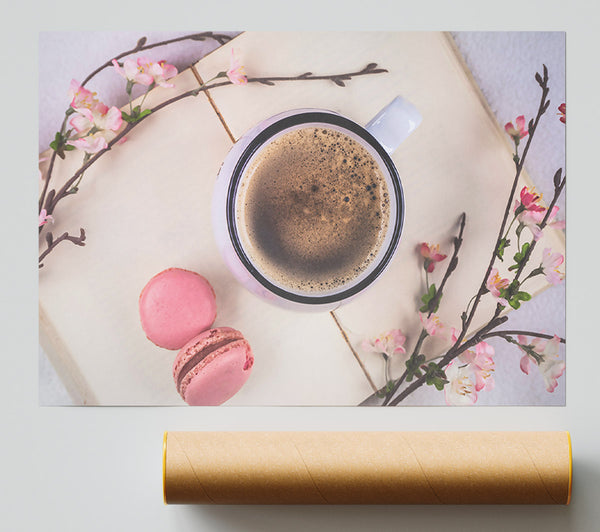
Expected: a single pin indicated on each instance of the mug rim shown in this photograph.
(319, 117)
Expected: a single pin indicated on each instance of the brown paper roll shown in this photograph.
(367, 467)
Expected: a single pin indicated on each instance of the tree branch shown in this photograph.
(78, 241)
(54, 197)
(504, 333)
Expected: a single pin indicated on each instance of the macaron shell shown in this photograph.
(176, 305)
(219, 376)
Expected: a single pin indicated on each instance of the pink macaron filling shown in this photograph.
(212, 367)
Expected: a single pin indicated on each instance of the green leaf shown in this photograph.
(519, 256)
(144, 113)
(428, 298)
(504, 243)
(54, 145)
(128, 118)
(523, 296)
(435, 376)
(514, 303)
(413, 367)
(69, 147)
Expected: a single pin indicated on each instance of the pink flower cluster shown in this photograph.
(91, 115)
(389, 343)
(530, 213)
(470, 373)
(146, 72)
(551, 367)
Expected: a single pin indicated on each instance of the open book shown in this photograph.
(145, 207)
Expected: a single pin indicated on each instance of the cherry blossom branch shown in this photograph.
(139, 47)
(449, 356)
(458, 240)
(142, 46)
(433, 304)
(78, 241)
(519, 162)
(459, 347)
(559, 185)
(54, 197)
(504, 333)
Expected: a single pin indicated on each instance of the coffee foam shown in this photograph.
(312, 209)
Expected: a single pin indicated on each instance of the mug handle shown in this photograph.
(394, 123)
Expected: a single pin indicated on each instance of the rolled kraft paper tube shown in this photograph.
(367, 467)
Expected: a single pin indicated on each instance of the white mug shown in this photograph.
(381, 136)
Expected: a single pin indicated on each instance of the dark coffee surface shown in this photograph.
(312, 209)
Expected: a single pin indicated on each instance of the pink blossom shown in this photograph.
(460, 389)
(432, 325)
(529, 201)
(432, 254)
(101, 118)
(90, 144)
(495, 284)
(519, 131)
(550, 263)
(551, 367)
(44, 218)
(454, 334)
(236, 71)
(533, 219)
(389, 343)
(551, 222)
(90, 112)
(134, 71)
(80, 96)
(562, 108)
(481, 363)
(160, 71)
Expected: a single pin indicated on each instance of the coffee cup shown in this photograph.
(308, 205)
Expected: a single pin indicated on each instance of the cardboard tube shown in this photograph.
(367, 467)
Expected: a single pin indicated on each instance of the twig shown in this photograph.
(78, 241)
(543, 106)
(64, 190)
(451, 265)
(140, 46)
(458, 240)
(449, 356)
(557, 191)
(502, 334)
(458, 348)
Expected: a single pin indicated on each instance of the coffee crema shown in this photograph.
(312, 209)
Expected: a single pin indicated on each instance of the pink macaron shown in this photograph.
(212, 367)
(176, 305)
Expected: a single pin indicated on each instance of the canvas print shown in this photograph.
(295, 218)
